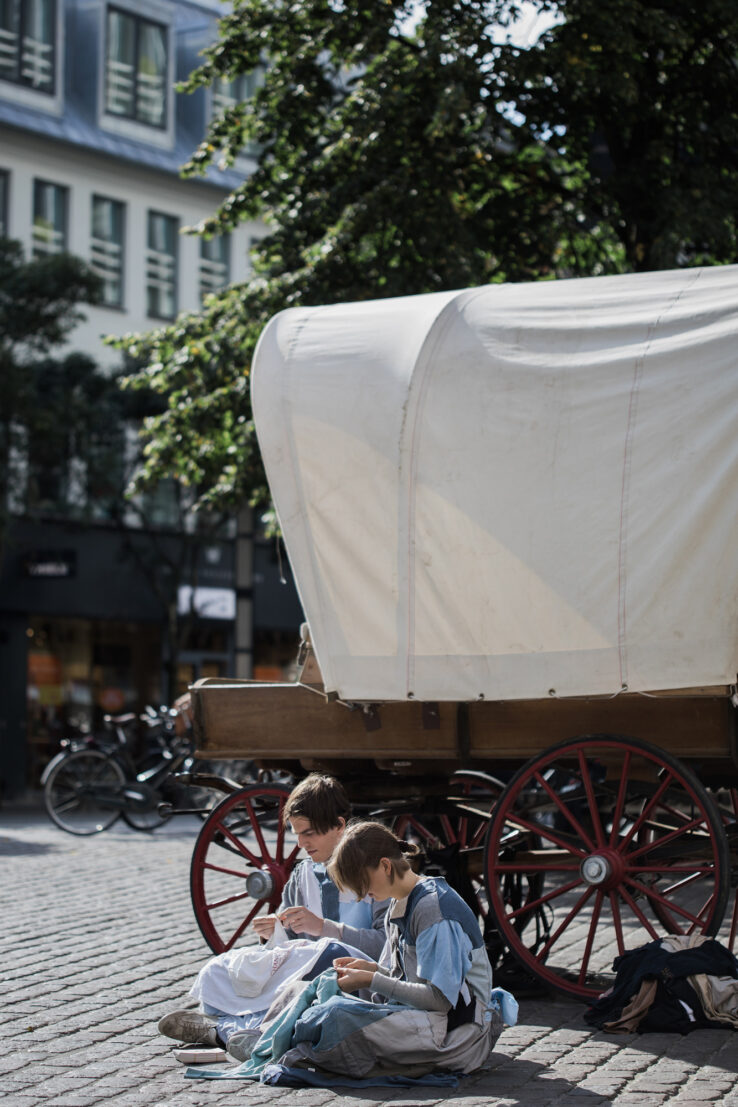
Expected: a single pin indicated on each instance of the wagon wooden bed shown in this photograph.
(512, 516)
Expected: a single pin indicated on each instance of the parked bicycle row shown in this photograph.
(141, 768)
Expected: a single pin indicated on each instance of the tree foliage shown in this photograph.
(644, 96)
(410, 147)
(50, 408)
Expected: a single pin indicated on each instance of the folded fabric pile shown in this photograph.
(678, 984)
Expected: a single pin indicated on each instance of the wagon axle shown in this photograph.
(260, 885)
(603, 870)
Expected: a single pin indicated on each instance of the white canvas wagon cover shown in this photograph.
(512, 491)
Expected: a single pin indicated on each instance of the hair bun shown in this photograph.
(416, 856)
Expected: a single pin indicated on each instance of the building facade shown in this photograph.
(92, 137)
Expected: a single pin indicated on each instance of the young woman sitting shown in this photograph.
(429, 997)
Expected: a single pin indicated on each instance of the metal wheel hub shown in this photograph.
(603, 869)
(260, 884)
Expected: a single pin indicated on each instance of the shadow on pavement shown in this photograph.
(18, 847)
(518, 1080)
(514, 1080)
(689, 1047)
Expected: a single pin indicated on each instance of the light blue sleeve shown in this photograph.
(356, 913)
(506, 1004)
(444, 957)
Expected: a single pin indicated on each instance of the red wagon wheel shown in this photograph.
(631, 844)
(242, 860)
(452, 831)
(727, 801)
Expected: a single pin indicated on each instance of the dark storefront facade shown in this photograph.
(82, 633)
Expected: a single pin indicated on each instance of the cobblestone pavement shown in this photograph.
(99, 940)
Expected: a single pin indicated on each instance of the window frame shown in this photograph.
(94, 197)
(64, 191)
(4, 203)
(23, 92)
(202, 286)
(151, 212)
(138, 19)
(23, 15)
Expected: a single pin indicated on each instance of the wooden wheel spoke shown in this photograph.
(679, 885)
(215, 904)
(281, 831)
(659, 843)
(625, 895)
(657, 897)
(241, 848)
(675, 813)
(620, 800)
(421, 829)
(531, 905)
(239, 931)
(566, 812)
(463, 831)
(542, 831)
(645, 814)
(292, 858)
(696, 870)
(733, 924)
(546, 949)
(220, 869)
(596, 911)
(257, 831)
(594, 813)
(617, 922)
(704, 910)
(522, 868)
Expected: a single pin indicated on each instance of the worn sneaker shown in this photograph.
(240, 1045)
(189, 1026)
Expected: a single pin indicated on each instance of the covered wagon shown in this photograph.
(512, 516)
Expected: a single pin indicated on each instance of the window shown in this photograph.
(161, 266)
(107, 247)
(49, 218)
(4, 190)
(27, 43)
(136, 69)
(214, 264)
(226, 94)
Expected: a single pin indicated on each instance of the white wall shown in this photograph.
(86, 173)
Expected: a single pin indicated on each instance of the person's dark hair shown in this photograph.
(362, 847)
(321, 799)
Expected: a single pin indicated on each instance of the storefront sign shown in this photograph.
(208, 603)
(50, 564)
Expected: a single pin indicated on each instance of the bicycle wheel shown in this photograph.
(142, 810)
(146, 817)
(81, 792)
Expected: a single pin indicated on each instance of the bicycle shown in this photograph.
(95, 780)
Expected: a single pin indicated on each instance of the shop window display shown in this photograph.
(80, 670)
